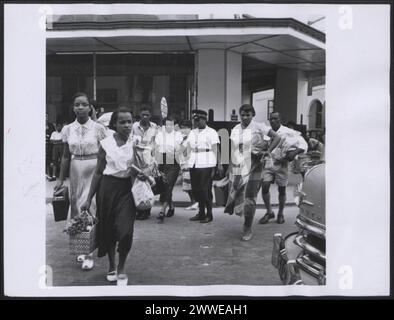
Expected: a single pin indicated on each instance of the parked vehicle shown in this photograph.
(300, 257)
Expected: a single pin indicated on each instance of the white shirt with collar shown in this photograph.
(145, 137)
(244, 137)
(83, 139)
(168, 142)
(199, 141)
(241, 135)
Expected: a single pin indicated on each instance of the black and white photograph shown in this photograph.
(185, 150)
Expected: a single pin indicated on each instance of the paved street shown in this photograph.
(180, 252)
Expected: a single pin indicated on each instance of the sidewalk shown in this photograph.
(179, 252)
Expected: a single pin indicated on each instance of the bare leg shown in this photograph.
(267, 196)
(111, 258)
(124, 249)
(282, 199)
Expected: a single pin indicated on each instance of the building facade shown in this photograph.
(212, 64)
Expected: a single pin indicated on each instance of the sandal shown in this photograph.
(87, 264)
(112, 276)
(122, 280)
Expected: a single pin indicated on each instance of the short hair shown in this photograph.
(247, 108)
(114, 116)
(169, 118)
(186, 123)
(80, 94)
(276, 112)
(145, 108)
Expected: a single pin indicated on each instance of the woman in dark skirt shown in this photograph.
(167, 145)
(115, 204)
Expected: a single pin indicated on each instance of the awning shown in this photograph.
(280, 42)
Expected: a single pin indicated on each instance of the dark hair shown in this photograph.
(80, 94)
(169, 118)
(186, 123)
(114, 116)
(145, 108)
(94, 103)
(247, 108)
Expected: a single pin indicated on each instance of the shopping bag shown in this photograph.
(221, 195)
(142, 194)
(61, 204)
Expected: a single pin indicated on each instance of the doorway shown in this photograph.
(263, 103)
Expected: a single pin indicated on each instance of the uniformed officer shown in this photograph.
(204, 155)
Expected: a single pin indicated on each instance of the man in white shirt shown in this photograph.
(279, 170)
(144, 133)
(57, 150)
(204, 156)
(248, 146)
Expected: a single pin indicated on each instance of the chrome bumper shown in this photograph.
(292, 266)
(287, 268)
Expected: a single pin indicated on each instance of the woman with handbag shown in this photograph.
(81, 143)
(115, 204)
(168, 143)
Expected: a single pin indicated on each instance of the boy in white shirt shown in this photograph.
(279, 170)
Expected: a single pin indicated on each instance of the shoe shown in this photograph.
(266, 218)
(197, 217)
(87, 264)
(170, 212)
(206, 219)
(52, 179)
(247, 235)
(194, 206)
(160, 217)
(112, 276)
(122, 280)
(81, 258)
(280, 219)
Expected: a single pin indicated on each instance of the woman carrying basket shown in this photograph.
(115, 204)
(81, 143)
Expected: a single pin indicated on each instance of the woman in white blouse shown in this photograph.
(81, 143)
(168, 147)
(115, 204)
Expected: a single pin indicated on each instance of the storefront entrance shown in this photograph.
(131, 80)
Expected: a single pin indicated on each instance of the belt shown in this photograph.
(84, 157)
(201, 150)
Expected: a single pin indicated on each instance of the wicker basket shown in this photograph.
(84, 243)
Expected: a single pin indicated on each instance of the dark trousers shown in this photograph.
(201, 181)
(172, 172)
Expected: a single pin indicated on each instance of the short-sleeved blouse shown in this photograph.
(83, 139)
(119, 158)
